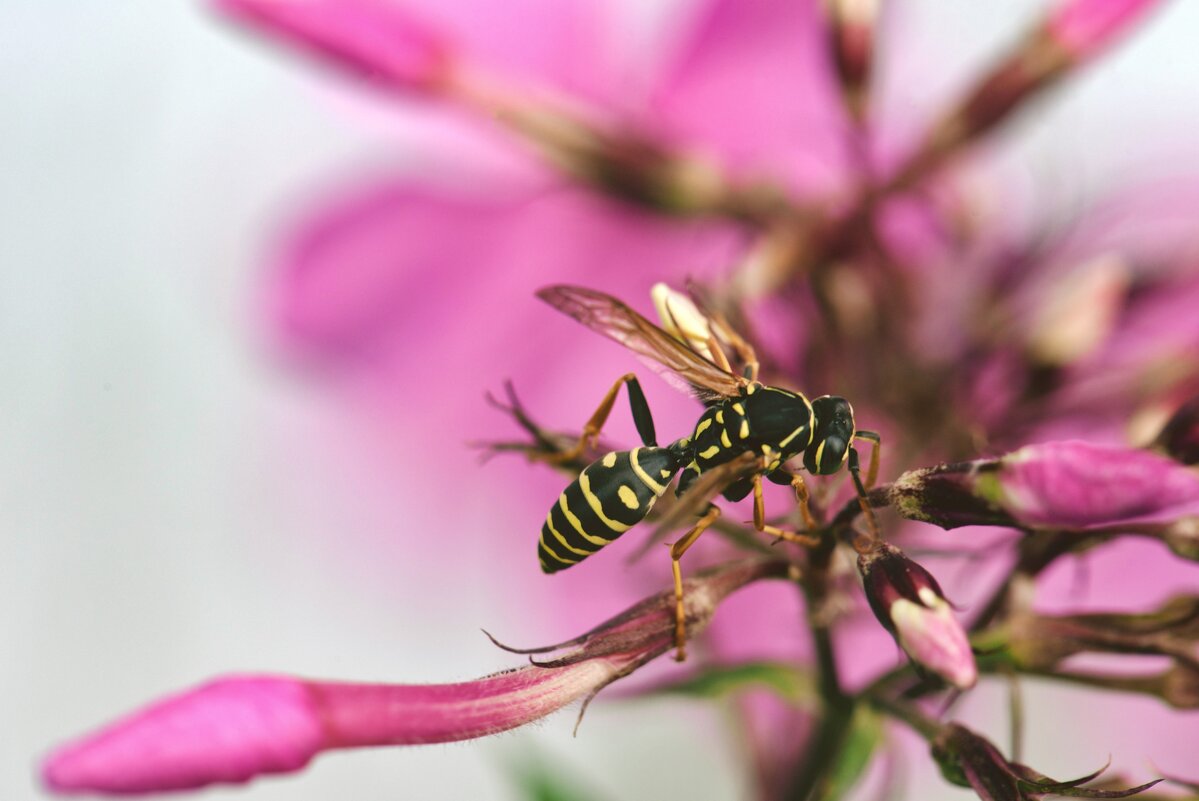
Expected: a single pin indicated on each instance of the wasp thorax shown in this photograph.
(780, 418)
(832, 437)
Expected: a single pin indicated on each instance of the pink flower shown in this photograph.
(236, 728)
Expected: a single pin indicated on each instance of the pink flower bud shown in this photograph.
(235, 728)
(909, 603)
(1083, 27)
(1061, 485)
(376, 39)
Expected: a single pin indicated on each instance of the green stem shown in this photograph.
(811, 778)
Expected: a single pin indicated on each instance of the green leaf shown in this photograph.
(865, 735)
(538, 782)
(788, 681)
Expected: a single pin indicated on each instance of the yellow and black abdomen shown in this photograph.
(609, 497)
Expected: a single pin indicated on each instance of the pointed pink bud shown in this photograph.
(1060, 485)
(1084, 27)
(233, 729)
(376, 39)
(909, 603)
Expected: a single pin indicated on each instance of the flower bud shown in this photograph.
(682, 319)
(1053, 485)
(1084, 27)
(1079, 311)
(909, 603)
(970, 760)
(851, 24)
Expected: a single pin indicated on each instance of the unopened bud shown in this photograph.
(1068, 485)
(1084, 27)
(682, 319)
(1079, 312)
(909, 603)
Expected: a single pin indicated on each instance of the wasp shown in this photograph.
(748, 431)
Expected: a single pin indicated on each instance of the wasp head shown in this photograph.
(833, 438)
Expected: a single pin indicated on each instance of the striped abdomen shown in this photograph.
(609, 497)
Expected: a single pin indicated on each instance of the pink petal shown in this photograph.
(1077, 484)
(236, 728)
(378, 40)
(1086, 26)
(754, 83)
(398, 43)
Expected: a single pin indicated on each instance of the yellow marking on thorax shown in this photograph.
(577, 525)
(790, 437)
(720, 416)
(703, 426)
(744, 432)
(710, 452)
(738, 408)
(594, 502)
(609, 460)
(665, 474)
(628, 497)
(645, 477)
(724, 439)
(558, 536)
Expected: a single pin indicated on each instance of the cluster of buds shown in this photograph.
(909, 603)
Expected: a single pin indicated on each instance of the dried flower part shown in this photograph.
(851, 29)
(1054, 485)
(970, 760)
(1179, 438)
(235, 728)
(909, 603)
(376, 40)
(1084, 27)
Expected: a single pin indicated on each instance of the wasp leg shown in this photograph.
(789, 536)
(876, 443)
(676, 553)
(864, 502)
(641, 418)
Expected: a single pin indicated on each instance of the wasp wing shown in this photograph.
(671, 359)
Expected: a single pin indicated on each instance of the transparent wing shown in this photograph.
(677, 364)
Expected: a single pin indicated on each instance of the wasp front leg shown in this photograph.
(676, 553)
(591, 430)
(876, 445)
(801, 493)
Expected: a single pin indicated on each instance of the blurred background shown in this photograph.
(179, 499)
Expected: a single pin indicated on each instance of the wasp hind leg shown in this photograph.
(591, 430)
(801, 493)
(676, 553)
